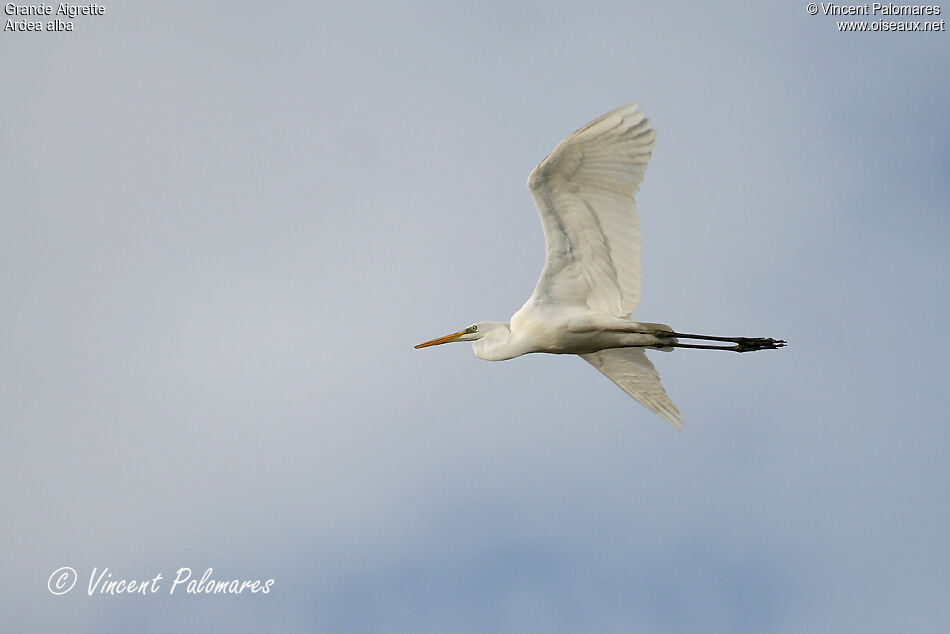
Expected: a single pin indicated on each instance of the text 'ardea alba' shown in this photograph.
(590, 285)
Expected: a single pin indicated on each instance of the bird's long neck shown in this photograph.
(499, 344)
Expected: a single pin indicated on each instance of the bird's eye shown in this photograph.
(471, 329)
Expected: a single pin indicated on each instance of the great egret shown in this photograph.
(590, 285)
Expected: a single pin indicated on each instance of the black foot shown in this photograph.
(751, 344)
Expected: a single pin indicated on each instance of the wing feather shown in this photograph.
(630, 369)
(584, 191)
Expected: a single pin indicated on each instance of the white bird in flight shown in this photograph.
(590, 285)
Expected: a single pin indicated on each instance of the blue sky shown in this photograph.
(223, 229)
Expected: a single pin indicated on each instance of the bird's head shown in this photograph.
(492, 340)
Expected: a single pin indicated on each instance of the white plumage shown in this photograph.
(585, 192)
(590, 285)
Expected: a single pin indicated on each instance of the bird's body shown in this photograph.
(560, 330)
(590, 285)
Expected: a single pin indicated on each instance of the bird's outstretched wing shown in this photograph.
(584, 191)
(632, 371)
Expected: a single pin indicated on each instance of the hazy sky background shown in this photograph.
(223, 228)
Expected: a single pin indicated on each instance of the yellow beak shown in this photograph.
(445, 339)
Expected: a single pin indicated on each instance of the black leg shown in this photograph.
(743, 344)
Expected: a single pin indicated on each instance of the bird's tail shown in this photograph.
(663, 328)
